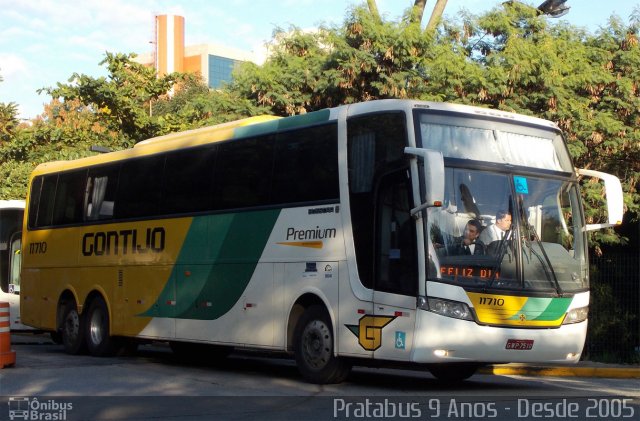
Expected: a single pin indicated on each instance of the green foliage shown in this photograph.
(194, 105)
(8, 120)
(289, 81)
(122, 99)
(129, 105)
(509, 58)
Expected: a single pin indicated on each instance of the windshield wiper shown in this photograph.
(501, 252)
(546, 263)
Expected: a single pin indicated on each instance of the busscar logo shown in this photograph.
(326, 209)
(33, 409)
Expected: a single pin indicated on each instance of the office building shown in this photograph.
(213, 61)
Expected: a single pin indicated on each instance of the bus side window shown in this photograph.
(140, 192)
(44, 214)
(188, 179)
(68, 202)
(243, 172)
(100, 192)
(306, 165)
(34, 204)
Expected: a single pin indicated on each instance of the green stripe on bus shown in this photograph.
(282, 124)
(304, 119)
(215, 265)
(543, 309)
(556, 309)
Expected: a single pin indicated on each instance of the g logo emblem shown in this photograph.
(369, 331)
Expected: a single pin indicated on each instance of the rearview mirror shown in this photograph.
(613, 197)
(433, 171)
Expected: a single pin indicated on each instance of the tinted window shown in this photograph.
(243, 173)
(44, 214)
(187, 184)
(306, 165)
(140, 187)
(102, 185)
(34, 201)
(69, 198)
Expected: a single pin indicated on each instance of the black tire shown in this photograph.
(72, 329)
(313, 348)
(453, 373)
(98, 334)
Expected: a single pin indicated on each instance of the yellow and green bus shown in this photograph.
(331, 236)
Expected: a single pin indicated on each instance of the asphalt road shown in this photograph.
(155, 384)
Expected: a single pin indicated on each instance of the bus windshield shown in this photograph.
(500, 229)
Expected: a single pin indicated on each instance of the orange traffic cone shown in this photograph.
(7, 356)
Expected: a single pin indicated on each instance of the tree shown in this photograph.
(136, 103)
(193, 105)
(116, 111)
(416, 12)
(512, 58)
(8, 119)
(364, 59)
(587, 83)
(123, 100)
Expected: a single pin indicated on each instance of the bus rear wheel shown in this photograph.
(99, 340)
(313, 347)
(72, 331)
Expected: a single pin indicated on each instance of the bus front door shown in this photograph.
(396, 268)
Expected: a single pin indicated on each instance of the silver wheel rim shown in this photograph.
(72, 326)
(317, 345)
(95, 327)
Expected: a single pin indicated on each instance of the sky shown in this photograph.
(43, 42)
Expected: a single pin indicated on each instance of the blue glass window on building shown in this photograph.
(220, 69)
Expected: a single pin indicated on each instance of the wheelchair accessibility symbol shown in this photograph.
(521, 185)
(400, 340)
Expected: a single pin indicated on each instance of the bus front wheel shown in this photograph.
(72, 331)
(313, 347)
(99, 340)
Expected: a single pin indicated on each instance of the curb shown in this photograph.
(562, 371)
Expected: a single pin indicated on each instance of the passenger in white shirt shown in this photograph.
(497, 231)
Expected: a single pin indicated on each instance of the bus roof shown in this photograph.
(204, 134)
(264, 124)
(446, 107)
(12, 204)
(178, 140)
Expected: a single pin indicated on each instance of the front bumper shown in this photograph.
(440, 339)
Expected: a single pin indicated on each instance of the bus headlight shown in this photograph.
(447, 308)
(576, 315)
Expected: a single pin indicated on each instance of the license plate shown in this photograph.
(520, 344)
